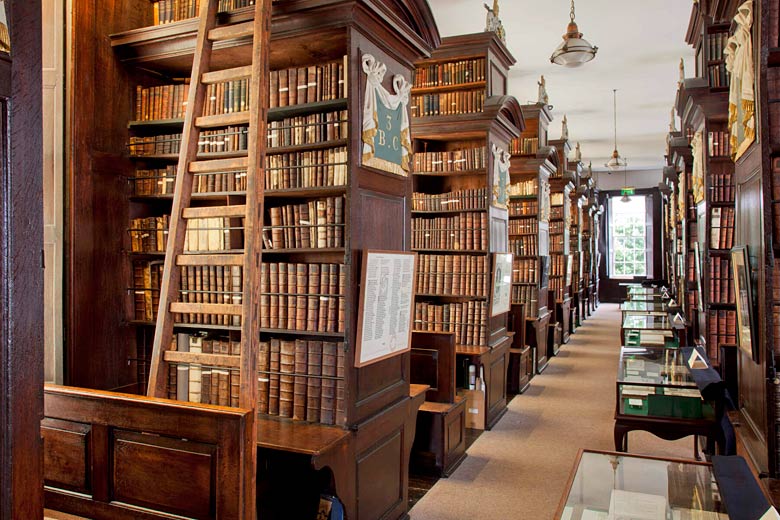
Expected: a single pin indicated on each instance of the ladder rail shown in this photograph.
(182, 195)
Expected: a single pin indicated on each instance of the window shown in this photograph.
(627, 237)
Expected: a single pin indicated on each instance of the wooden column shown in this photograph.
(21, 279)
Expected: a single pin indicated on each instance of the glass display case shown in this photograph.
(641, 328)
(606, 485)
(655, 382)
(658, 308)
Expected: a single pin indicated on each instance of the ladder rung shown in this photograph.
(228, 32)
(207, 308)
(232, 119)
(219, 165)
(210, 259)
(215, 211)
(218, 76)
(212, 360)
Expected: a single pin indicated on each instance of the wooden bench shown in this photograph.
(110, 455)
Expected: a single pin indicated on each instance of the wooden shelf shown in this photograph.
(216, 195)
(422, 212)
(449, 88)
(469, 251)
(483, 171)
(303, 333)
(310, 250)
(201, 156)
(324, 191)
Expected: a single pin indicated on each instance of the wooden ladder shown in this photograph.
(189, 168)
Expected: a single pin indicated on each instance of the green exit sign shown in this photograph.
(627, 191)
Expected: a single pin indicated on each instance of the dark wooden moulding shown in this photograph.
(365, 460)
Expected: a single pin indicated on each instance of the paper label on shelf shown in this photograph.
(474, 411)
(635, 402)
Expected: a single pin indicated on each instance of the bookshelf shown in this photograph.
(561, 187)
(459, 213)
(533, 163)
(575, 247)
(323, 207)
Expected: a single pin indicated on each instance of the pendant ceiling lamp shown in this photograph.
(616, 162)
(574, 51)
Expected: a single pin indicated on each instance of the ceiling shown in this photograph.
(640, 45)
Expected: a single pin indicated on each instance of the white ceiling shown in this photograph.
(640, 45)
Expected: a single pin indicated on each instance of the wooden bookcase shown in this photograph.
(373, 427)
(575, 245)
(682, 160)
(587, 183)
(561, 187)
(533, 163)
(462, 118)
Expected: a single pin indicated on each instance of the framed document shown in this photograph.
(568, 269)
(502, 284)
(743, 291)
(386, 305)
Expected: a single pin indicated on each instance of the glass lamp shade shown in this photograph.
(616, 162)
(625, 198)
(574, 51)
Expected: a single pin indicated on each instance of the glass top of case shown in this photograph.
(608, 486)
(644, 306)
(646, 322)
(653, 366)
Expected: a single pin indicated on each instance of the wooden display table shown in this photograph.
(655, 392)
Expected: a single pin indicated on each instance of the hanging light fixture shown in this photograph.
(574, 51)
(616, 161)
(626, 188)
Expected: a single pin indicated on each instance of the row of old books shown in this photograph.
(301, 85)
(721, 187)
(722, 232)
(450, 201)
(169, 11)
(161, 102)
(527, 295)
(221, 140)
(721, 328)
(211, 284)
(304, 297)
(693, 301)
(466, 159)
(524, 188)
(202, 383)
(467, 320)
(149, 234)
(524, 146)
(466, 231)
(719, 144)
(557, 265)
(146, 289)
(161, 181)
(309, 169)
(525, 270)
(721, 281)
(450, 73)
(691, 269)
(311, 129)
(523, 208)
(527, 245)
(718, 75)
(448, 103)
(523, 226)
(462, 275)
(716, 44)
(302, 380)
(557, 243)
(315, 224)
(557, 287)
(213, 234)
(556, 212)
(557, 226)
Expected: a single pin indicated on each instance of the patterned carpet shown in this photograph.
(519, 469)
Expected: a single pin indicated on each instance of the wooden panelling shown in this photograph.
(378, 471)
(127, 457)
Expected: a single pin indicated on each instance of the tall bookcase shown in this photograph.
(462, 126)
(575, 246)
(533, 163)
(318, 184)
(682, 159)
(561, 187)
